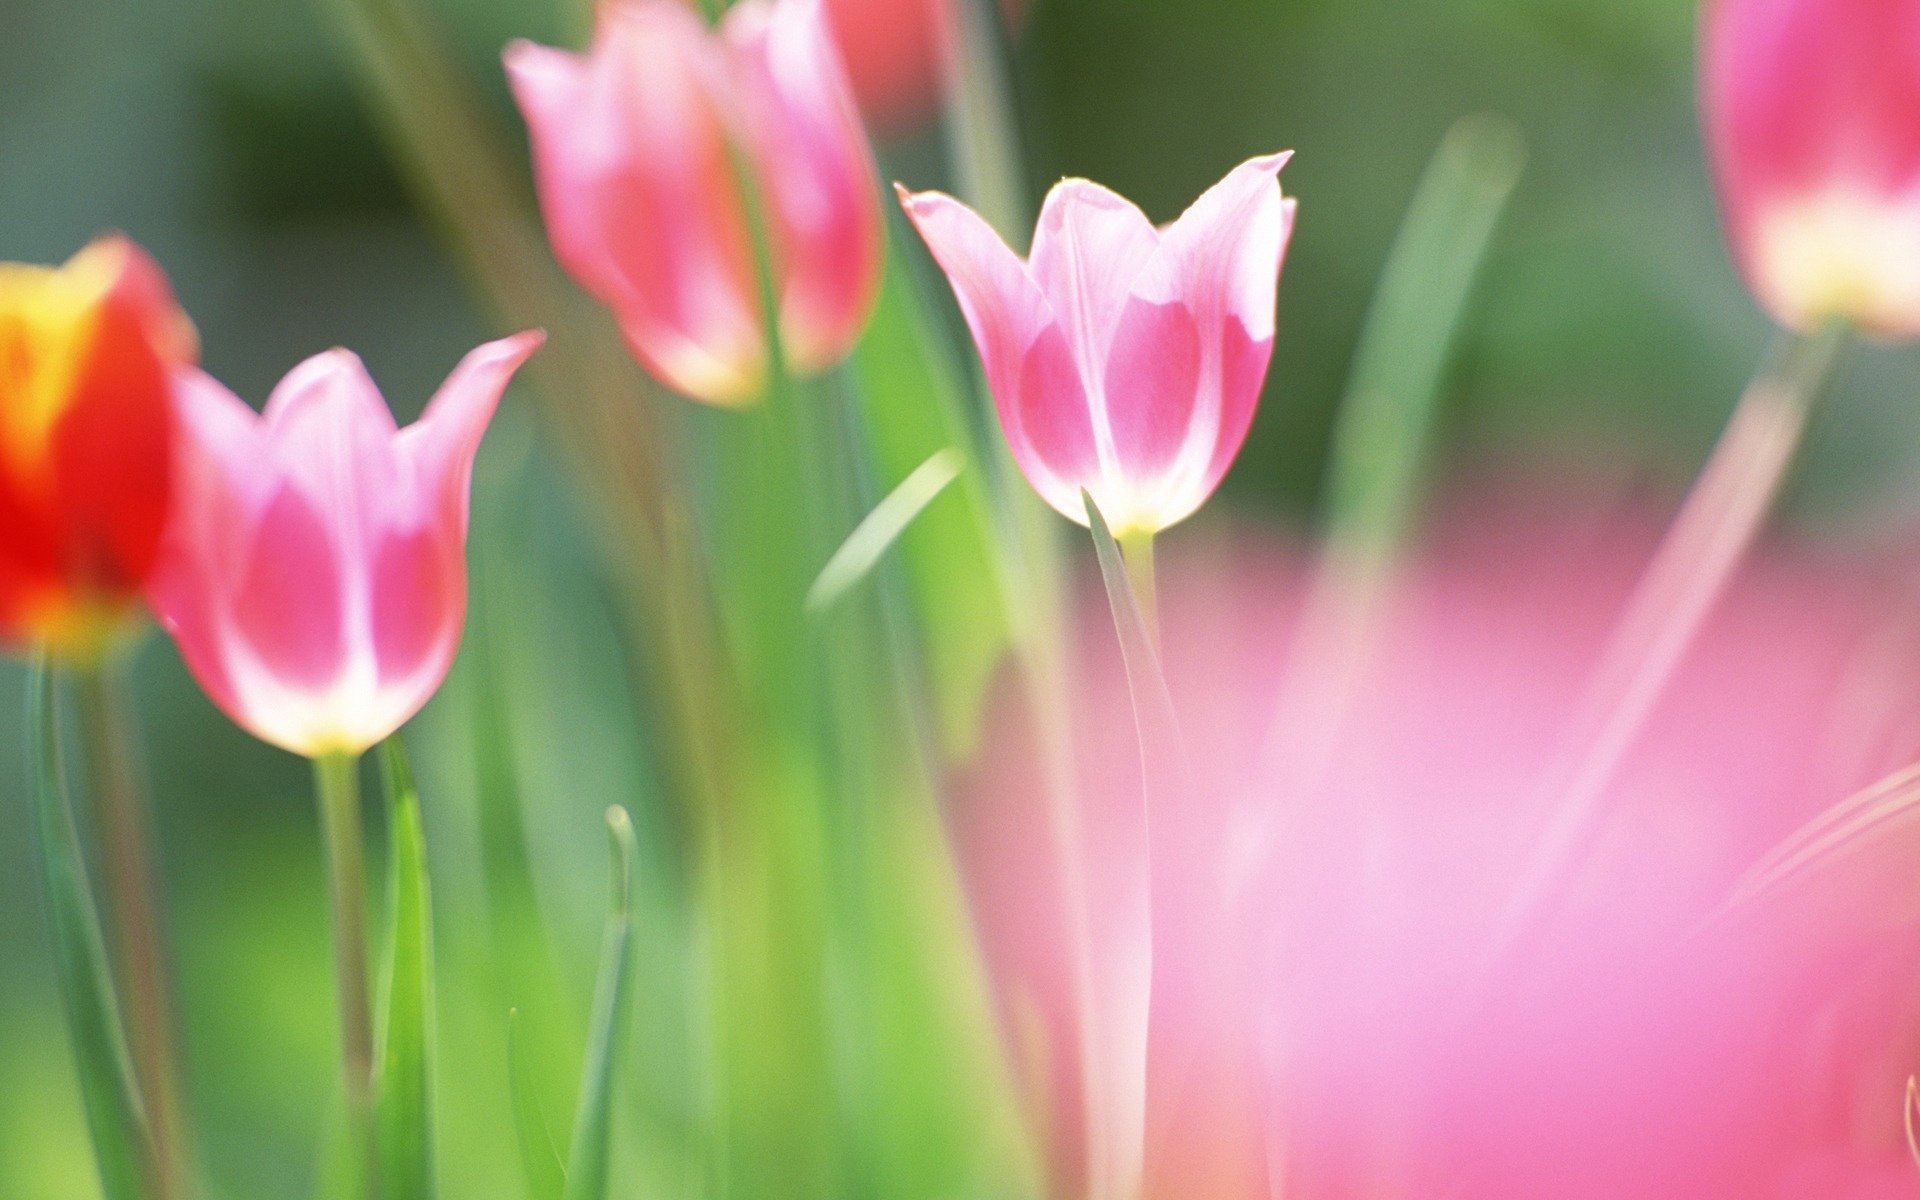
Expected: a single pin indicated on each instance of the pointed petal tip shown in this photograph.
(919, 205)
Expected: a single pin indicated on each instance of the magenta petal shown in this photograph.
(443, 442)
(287, 603)
(1222, 261)
(632, 166)
(1153, 378)
(574, 151)
(419, 602)
(811, 153)
(1049, 425)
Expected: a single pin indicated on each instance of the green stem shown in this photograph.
(138, 941)
(1136, 549)
(337, 787)
(982, 143)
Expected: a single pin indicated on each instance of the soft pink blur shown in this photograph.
(634, 146)
(1124, 359)
(314, 574)
(1327, 1009)
(896, 52)
(1810, 114)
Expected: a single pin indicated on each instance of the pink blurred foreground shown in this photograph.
(1329, 1015)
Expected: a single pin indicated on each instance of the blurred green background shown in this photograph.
(228, 137)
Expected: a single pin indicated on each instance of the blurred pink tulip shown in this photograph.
(1124, 359)
(1810, 114)
(1327, 1020)
(895, 51)
(314, 574)
(633, 147)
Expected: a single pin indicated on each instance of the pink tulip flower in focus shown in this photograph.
(1810, 114)
(1327, 1020)
(634, 147)
(1124, 360)
(314, 574)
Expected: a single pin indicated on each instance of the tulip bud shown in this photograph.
(633, 147)
(1810, 112)
(314, 573)
(86, 435)
(1123, 359)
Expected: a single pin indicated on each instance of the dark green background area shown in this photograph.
(227, 136)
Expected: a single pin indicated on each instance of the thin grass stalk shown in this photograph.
(123, 820)
(1380, 453)
(1704, 549)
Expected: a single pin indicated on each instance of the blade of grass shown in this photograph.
(587, 1164)
(1381, 446)
(1853, 825)
(114, 1118)
(876, 534)
(403, 1087)
(539, 1154)
(1400, 366)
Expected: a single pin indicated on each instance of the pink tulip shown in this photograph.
(1124, 359)
(314, 574)
(1337, 1029)
(896, 54)
(633, 147)
(1810, 114)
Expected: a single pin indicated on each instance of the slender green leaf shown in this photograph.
(404, 1084)
(587, 1165)
(1400, 366)
(960, 563)
(539, 1155)
(114, 1119)
(876, 534)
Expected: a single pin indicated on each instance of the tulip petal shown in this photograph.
(1049, 424)
(419, 601)
(554, 89)
(1153, 376)
(1029, 361)
(1088, 248)
(635, 180)
(287, 606)
(815, 170)
(441, 445)
(1221, 260)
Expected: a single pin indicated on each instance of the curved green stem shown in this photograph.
(137, 938)
(337, 788)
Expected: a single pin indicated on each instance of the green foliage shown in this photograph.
(403, 1084)
(114, 1119)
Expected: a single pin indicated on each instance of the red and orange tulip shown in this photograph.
(86, 441)
(634, 146)
(1810, 113)
(1125, 360)
(314, 574)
